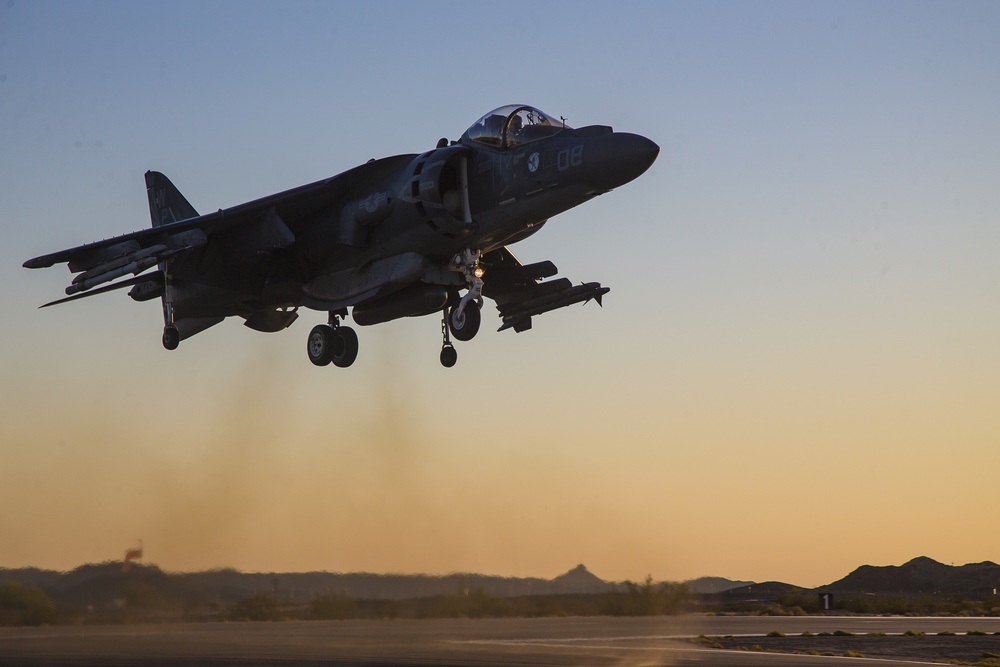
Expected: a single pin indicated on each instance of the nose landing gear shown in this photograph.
(463, 320)
(462, 324)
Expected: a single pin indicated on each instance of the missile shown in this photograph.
(136, 267)
(88, 260)
(119, 262)
(516, 315)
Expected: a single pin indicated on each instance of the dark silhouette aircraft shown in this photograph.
(403, 236)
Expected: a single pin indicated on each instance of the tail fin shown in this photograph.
(166, 203)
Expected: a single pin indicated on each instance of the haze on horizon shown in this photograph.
(795, 373)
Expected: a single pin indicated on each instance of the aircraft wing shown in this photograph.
(265, 223)
(519, 292)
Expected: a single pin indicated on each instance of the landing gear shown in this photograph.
(171, 337)
(467, 263)
(332, 343)
(319, 345)
(464, 321)
(448, 356)
(345, 347)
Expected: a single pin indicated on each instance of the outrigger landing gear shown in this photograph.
(332, 343)
(171, 336)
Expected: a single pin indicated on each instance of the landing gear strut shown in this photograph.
(332, 343)
(467, 263)
(171, 336)
(463, 319)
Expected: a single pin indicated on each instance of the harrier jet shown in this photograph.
(402, 236)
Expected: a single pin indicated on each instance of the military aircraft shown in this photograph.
(402, 236)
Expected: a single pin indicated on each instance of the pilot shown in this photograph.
(492, 127)
(514, 128)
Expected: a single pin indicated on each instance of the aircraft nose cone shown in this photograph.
(621, 157)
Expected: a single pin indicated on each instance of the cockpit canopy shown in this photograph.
(513, 125)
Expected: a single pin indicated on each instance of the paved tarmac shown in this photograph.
(614, 642)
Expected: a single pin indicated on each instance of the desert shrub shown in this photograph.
(256, 608)
(649, 599)
(332, 607)
(25, 605)
(800, 602)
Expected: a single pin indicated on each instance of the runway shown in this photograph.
(619, 642)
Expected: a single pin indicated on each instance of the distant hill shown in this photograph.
(105, 584)
(922, 576)
(758, 592)
(580, 580)
(704, 585)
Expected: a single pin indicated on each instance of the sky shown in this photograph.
(796, 371)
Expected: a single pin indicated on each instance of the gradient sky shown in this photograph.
(797, 370)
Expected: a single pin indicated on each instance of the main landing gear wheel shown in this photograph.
(465, 325)
(345, 347)
(171, 337)
(320, 344)
(326, 344)
(448, 356)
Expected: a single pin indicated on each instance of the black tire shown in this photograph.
(448, 356)
(320, 344)
(345, 347)
(467, 326)
(171, 337)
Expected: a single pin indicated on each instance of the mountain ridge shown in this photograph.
(105, 583)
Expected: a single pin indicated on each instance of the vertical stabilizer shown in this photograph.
(166, 203)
